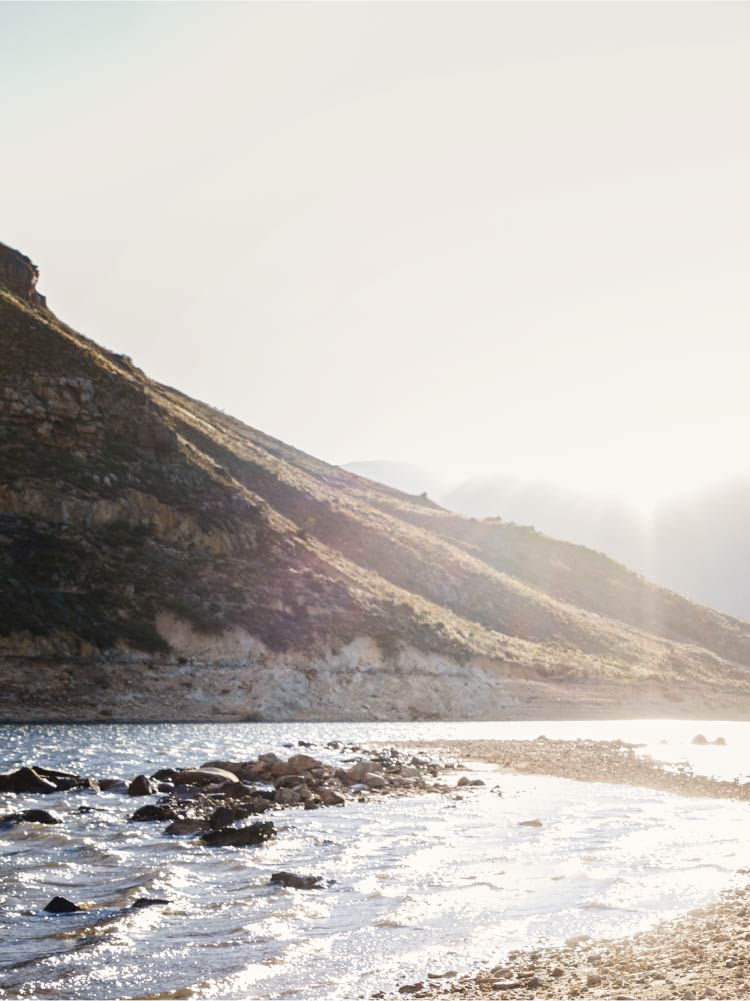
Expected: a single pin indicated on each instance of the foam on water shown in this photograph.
(422, 884)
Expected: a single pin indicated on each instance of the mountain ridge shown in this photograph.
(157, 554)
(711, 570)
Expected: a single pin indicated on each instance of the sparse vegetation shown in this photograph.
(121, 498)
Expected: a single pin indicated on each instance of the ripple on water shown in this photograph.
(419, 883)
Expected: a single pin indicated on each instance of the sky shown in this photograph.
(479, 237)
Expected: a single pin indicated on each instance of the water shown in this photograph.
(423, 884)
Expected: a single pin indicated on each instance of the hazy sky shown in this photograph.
(491, 235)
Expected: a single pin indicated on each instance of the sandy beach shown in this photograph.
(703, 954)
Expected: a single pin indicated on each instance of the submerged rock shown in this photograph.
(186, 826)
(530, 823)
(41, 817)
(113, 785)
(154, 811)
(148, 902)
(61, 905)
(31, 817)
(296, 882)
(241, 837)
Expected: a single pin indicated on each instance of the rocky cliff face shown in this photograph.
(19, 276)
(159, 559)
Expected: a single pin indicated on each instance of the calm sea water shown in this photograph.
(423, 884)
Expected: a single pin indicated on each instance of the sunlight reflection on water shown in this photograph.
(428, 883)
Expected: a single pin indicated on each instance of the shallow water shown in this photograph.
(422, 884)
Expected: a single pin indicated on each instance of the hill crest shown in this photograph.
(159, 557)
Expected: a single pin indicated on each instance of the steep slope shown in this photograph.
(159, 559)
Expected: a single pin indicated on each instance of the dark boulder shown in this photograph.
(237, 790)
(241, 837)
(41, 817)
(223, 816)
(149, 902)
(330, 797)
(87, 783)
(30, 817)
(154, 811)
(26, 780)
(66, 780)
(61, 905)
(258, 804)
(290, 781)
(142, 786)
(167, 774)
(113, 785)
(296, 882)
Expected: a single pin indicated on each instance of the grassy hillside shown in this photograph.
(121, 499)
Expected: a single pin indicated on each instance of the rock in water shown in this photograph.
(203, 776)
(142, 786)
(241, 837)
(26, 780)
(148, 902)
(41, 817)
(699, 739)
(154, 811)
(61, 905)
(183, 828)
(530, 823)
(30, 817)
(222, 817)
(295, 882)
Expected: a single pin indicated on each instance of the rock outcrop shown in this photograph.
(19, 276)
(161, 560)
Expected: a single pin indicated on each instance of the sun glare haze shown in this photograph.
(497, 235)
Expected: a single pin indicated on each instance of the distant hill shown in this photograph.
(698, 545)
(162, 560)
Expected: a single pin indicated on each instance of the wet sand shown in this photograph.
(704, 954)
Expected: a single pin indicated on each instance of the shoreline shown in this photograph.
(704, 953)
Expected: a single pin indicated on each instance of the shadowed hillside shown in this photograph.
(160, 558)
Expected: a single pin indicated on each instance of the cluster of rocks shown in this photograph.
(38, 779)
(612, 761)
(212, 799)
